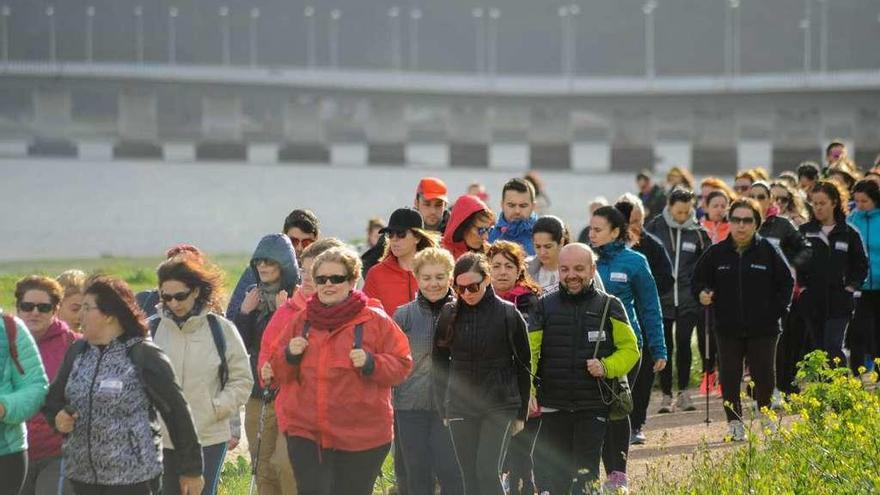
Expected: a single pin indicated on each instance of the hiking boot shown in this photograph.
(665, 405)
(684, 403)
(637, 437)
(776, 400)
(736, 431)
(616, 484)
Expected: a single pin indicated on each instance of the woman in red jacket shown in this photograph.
(468, 228)
(336, 372)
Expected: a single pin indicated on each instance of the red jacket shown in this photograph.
(43, 441)
(391, 284)
(326, 399)
(464, 207)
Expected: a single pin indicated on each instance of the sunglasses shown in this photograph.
(759, 197)
(741, 188)
(333, 279)
(396, 234)
(302, 243)
(472, 288)
(27, 307)
(743, 220)
(481, 231)
(179, 297)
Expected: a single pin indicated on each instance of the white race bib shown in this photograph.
(619, 277)
(841, 246)
(690, 247)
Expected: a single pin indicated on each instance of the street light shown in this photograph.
(5, 12)
(494, 14)
(335, 15)
(90, 33)
(414, 16)
(172, 35)
(255, 17)
(731, 38)
(139, 33)
(224, 34)
(477, 14)
(394, 32)
(311, 55)
(648, 10)
(823, 36)
(50, 13)
(805, 25)
(568, 54)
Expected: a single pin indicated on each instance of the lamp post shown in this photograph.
(415, 15)
(139, 34)
(568, 53)
(311, 55)
(90, 33)
(50, 13)
(479, 62)
(731, 38)
(394, 33)
(806, 27)
(335, 16)
(254, 38)
(5, 12)
(172, 35)
(823, 36)
(494, 15)
(648, 10)
(224, 35)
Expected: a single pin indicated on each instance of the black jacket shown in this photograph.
(838, 263)
(571, 324)
(752, 289)
(654, 201)
(684, 244)
(658, 261)
(784, 235)
(486, 366)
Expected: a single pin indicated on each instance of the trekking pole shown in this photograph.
(706, 330)
(256, 460)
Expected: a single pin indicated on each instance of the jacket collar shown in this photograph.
(611, 249)
(588, 293)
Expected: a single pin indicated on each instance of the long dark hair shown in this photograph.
(468, 262)
(837, 193)
(115, 298)
(195, 274)
(615, 220)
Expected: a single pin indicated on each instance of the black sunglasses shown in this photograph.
(743, 220)
(179, 297)
(481, 231)
(472, 288)
(27, 307)
(333, 279)
(396, 234)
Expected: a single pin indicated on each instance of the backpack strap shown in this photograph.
(153, 324)
(307, 327)
(358, 336)
(602, 325)
(12, 336)
(220, 344)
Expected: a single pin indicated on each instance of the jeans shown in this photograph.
(150, 487)
(761, 354)
(12, 472)
(426, 448)
(330, 472)
(568, 451)
(480, 444)
(212, 462)
(43, 476)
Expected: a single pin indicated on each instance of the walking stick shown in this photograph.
(706, 331)
(256, 460)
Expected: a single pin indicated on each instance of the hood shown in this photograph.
(57, 328)
(464, 207)
(277, 247)
(690, 224)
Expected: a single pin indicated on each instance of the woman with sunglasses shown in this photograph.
(341, 358)
(190, 291)
(836, 270)
(865, 337)
(780, 231)
(482, 374)
(743, 182)
(627, 276)
(468, 228)
(37, 300)
(274, 266)
(23, 385)
(111, 389)
(748, 284)
(789, 202)
(715, 216)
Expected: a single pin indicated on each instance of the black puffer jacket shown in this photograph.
(752, 289)
(486, 366)
(838, 263)
(780, 232)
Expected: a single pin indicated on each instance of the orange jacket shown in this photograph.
(325, 398)
(391, 284)
(718, 231)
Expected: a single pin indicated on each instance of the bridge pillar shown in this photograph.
(303, 132)
(52, 119)
(137, 124)
(673, 132)
(427, 143)
(591, 148)
(714, 143)
(221, 129)
(632, 142)
(386, 132)
(508, 148)
(550, 138)
(469, 133)
(797, 137)
(867, 138)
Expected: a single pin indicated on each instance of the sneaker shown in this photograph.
(616, 484)
(768, 425)
(736, 431)
(637, 437)
(776, 400)
(665, 405)
(684, 403)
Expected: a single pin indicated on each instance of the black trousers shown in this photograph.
(330, 472)
(791, 349)
(480, 444)
(150, 487)
(863, 338)
(520, 458)
(616, 447)
(641, 390)
(761, 353)
(680, 342)
(568, 451)
(13, 468)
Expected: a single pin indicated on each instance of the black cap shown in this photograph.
(404, 219)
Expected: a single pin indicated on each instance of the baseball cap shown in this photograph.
(432, 188)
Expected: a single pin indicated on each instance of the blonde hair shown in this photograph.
(342, 255)
(433, 256)
(72, 281)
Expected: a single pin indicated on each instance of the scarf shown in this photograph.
(332, 317)
(268, 293)
(513, 294)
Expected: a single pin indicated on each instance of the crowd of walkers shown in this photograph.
(486, 350)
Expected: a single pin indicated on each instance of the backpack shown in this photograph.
(219, 343)
(358, 334)
(11, 336)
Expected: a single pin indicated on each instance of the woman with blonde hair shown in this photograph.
(679, 176)
(789, 202)
(72, 282)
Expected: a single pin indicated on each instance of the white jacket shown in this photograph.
(195, 361)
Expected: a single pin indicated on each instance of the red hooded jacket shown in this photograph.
(281, 320)
(325, 398)
(391, 284)
(464, 207)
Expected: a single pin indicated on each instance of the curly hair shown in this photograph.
(195, 273)
(515, 254)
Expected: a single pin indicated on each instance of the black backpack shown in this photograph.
(219, 343)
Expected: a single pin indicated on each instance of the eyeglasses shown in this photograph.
(179, 297)
(333, 279)
(472, 288)
(743, 220)
(302, 243)
(781, 199)
(481, 231)
(759, 197)
(27, 307)
(396, 234)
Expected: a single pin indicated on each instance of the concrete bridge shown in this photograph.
(711, 124)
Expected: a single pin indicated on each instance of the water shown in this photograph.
(87, 208)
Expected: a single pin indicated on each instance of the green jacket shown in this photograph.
(20, 394)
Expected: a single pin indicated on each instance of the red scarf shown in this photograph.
(513, 294)
(332, 317)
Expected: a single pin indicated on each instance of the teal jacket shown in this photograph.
(20, 394)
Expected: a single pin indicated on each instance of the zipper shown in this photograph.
(101, 352)
(677, 259)
(868, 250)
(742, 309)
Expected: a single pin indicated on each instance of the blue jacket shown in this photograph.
(626, 275)
(21, 394)
(272, 247)
(868, 224)
(519, 232)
